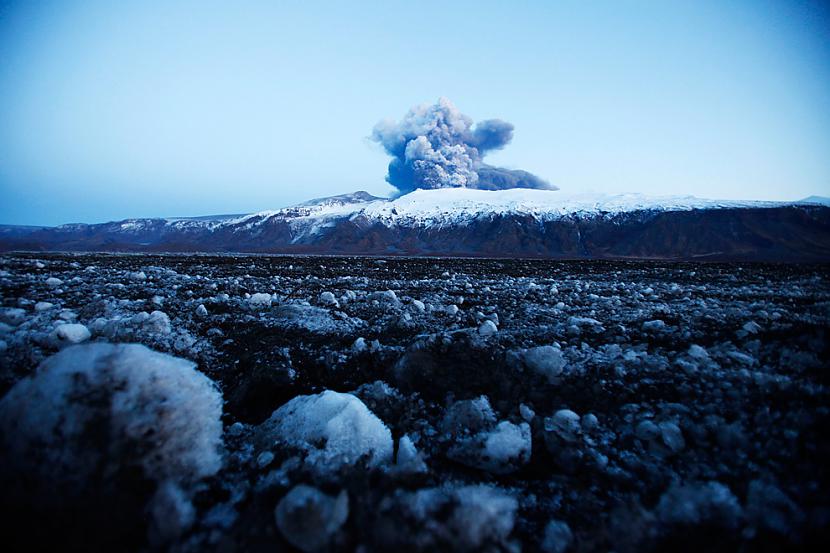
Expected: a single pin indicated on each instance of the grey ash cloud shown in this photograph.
(437, 146)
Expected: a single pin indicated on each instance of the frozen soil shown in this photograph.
(531, 405)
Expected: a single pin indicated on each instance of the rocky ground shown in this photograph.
(413, 404)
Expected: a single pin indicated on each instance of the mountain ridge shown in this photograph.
(454, 222)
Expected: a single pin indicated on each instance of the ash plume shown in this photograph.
(437, 146)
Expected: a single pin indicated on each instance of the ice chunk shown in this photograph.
(468, 416)
(327, 298)
(43, 306)
(741, 357)
(558, 537)
(67, 315)
(139, 318)
(308, 518)
(488, 328)
(498, 450)
(72, 333)
(406, 451)
(408, 459)
(646, 430)
(312, 319)
(751, 327)
(158, 323)
(526, 412)
(264, 459)
(589, 423)
(508, 444)
(53, 282)
(158, 405)
(95, 414)
(201, 311)
(390, 295)
(671, 436)
(419, 305)
(565, 424)
(13, 316)
(483, 514)
(359, 345)
(584, 321)
(697, 503)
(546, 361)
(333, 428)
(698, 352)
(654, 325)
(236, 429)
(466, 519)
(260, 300)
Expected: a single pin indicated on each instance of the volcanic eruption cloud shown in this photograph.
(437, 146)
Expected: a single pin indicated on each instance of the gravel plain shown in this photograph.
(417, 404)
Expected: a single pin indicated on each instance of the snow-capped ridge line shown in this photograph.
(457, 205)
(465, 222)
(439, 207)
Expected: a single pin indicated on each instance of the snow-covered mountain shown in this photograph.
(459, 221)
(820, 200)
(461, 205)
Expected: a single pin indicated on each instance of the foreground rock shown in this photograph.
(334, 430)
(96, 421)
(308, 518)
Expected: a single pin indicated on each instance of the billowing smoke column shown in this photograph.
(437, 146)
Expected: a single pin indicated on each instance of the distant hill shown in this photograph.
(821, 200)
(465, 222)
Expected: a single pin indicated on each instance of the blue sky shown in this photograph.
(125, 109)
